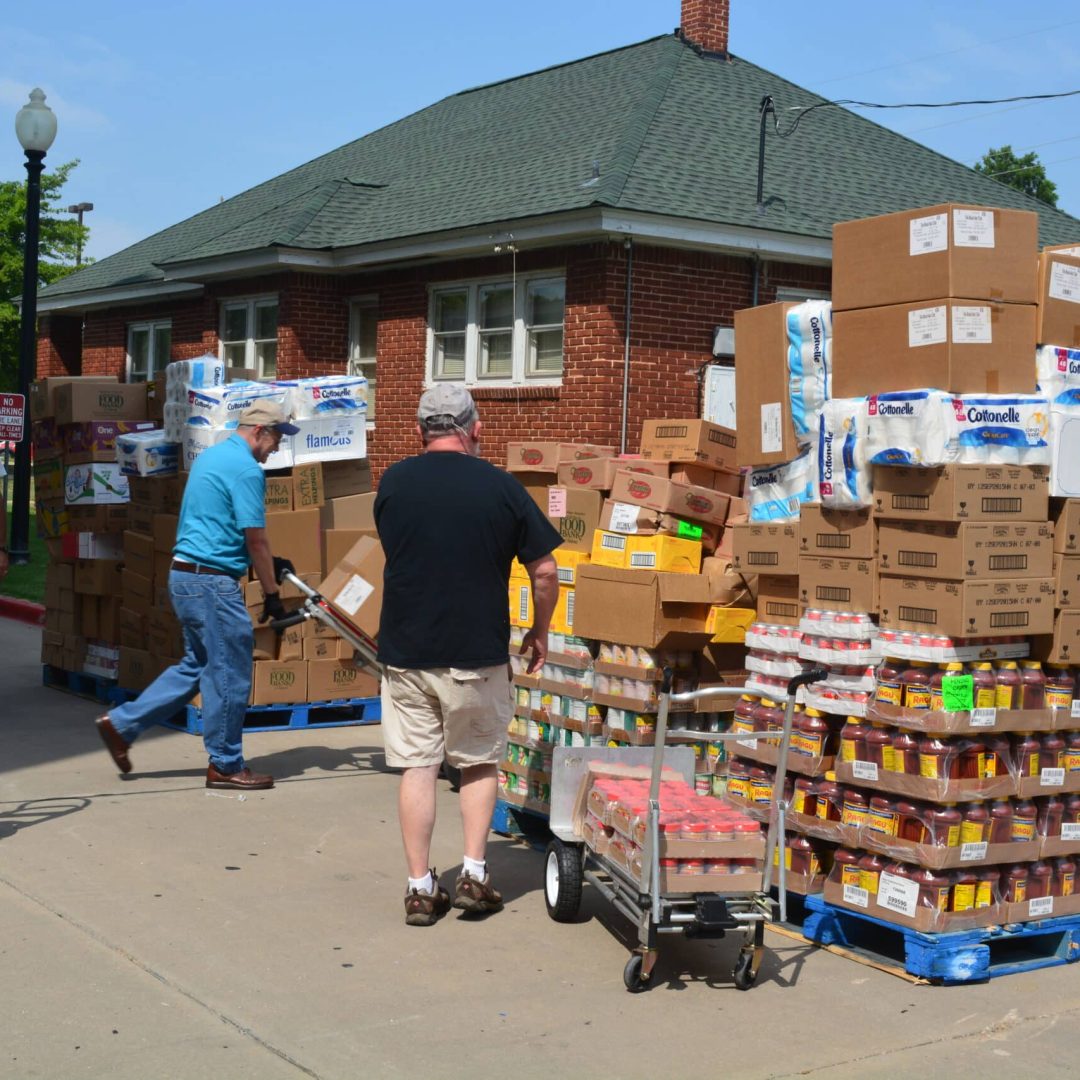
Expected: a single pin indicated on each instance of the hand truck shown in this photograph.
(569, 862)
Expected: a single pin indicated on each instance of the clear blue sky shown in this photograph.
(170, 112)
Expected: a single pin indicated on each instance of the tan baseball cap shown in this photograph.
(267, 413)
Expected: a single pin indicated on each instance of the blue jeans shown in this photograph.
(218, 643)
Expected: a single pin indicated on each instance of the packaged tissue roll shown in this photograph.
(216, 406)
(1057, 370)
(1001, 429)
(809, 331)
(776, 492)
(326, 395)
(147, 453)
(843, 473)
(205, 371)
(909, 427)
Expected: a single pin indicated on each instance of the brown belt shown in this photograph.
(195, 568)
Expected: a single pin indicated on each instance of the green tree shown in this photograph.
(59, 240)
(1026, 174)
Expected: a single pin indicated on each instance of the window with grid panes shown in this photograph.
(249, 334)
(148, 350)
(363, 333)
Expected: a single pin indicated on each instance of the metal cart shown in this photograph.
(317, 607)
(569, 863)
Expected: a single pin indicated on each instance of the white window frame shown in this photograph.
(520, 375)
(251, 303)
(786, 294)
(154, 364)
(368, 365)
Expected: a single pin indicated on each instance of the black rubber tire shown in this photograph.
(744, 974)
(632, 978)
(563, 880)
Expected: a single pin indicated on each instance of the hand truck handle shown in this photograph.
(289, 620)
(668, 679)
(817, 674)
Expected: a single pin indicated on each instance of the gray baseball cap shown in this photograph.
(265, 413)
(450, 400)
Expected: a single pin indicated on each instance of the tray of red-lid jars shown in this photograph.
(759, 724)
(807, 862)
(1007, 695)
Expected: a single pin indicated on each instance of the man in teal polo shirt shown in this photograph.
(222, 530)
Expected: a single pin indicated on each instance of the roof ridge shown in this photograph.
(636, 130)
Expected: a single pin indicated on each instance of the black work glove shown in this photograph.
(281, 568)
(273, 608)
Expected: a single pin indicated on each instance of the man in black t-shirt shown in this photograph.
(450, 525)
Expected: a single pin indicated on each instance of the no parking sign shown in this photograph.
(12, 412)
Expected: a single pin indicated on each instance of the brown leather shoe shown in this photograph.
(244, 780)
(426, 909)
(114, 743)
(471, 894)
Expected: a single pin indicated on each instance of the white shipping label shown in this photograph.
(750, 744)
(898, 894)
(1070, 830)
(1074, 710)
(864, 770)
(1041, 905)
(556, 502)
(1065, 282)
(352, 597)
(971, 325)
(971, 852)
(624, 517)
(973, 228)
(927, 326)
(772, 436)
(983, 717)
(854, 895)
(1052, 778)
(928, 234)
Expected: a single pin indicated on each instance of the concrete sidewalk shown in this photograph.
(151, 929)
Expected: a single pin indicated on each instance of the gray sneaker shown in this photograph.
(426, 909)
(472, 894)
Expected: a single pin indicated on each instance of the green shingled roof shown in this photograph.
(668, 131)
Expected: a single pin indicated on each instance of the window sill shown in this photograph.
(515, 393)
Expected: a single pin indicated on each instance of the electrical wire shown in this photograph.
(1035, 165)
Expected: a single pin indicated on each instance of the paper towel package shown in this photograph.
(776, 492)
(809, 361)
(843, 471)
(1000, 429)
(1057, 370)
(200, 437)
(147, 453)
(339, 437)
(909, 427)
(330, 394)
(1065, 445)
(206, 371)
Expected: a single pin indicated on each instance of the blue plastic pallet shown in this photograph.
(311, 714)
(83, 684)
(961, 956)
(521, 824)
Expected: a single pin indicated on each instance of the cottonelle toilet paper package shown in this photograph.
(777, 491)
(206, 371)
(147, 453)
(175, 419)
(809, 331)
(220, 405)
(326, 395)
(843, 474)
(200, 437)
(1000, 429)
(1057, 370)
(909, 427)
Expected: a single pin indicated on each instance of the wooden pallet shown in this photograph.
(961, 956)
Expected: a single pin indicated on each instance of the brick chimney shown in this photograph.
(705, 25)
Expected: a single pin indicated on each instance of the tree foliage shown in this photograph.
(1026, 173)
(59, 240)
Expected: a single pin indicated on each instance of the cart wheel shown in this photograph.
(562, 881)
(632, 976)
(744, 974)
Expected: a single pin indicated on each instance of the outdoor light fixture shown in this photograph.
(80, 209)
(35, 126)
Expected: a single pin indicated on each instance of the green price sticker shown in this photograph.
(690, 532)
(958, 693)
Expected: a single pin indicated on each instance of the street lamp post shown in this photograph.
(35, 125)
(79, 209)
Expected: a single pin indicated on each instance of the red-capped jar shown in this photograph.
(1032, 685)
(1039, 879)
(879, 747)
(1025, 820)
(974, 824)
(937, 759)
(1050, 811)
(856, 808)
(997, 756)
(943, 823)
(1001, 822)
(905, 753)
(1064, 879)
(853, 740)
(1007, 678)
(916, 686)
(1014, 884)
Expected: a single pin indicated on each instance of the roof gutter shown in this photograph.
(117, 296)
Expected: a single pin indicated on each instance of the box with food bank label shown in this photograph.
(669, 497)
(79, 402)
(279, 682)
(576, 514)
(339, 680)
(963, 493)
(958, 551)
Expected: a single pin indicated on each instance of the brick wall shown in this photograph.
(59, 345)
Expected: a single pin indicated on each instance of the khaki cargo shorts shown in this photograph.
(453, 713)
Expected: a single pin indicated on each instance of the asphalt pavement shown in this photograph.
(150, 928)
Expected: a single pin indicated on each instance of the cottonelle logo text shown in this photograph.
(887, 408)
(826, 456)
(817, 335)
(761, 479)
(328, 393)
(1011, 415)
(1066, 364)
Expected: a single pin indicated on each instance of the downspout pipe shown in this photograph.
(629, 246)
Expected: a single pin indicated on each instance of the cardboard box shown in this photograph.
(669, 497)
(963, 345)
(88, 617)
(778, 599)
(349, 512)
(520, 603)
(839, 584)
(95, 440)
(546, 457)
(137, 592)
(296, 536)
(641, 607)
(132, 628)
(342, 478)
(1065, 514)
(968, 608)
(951, 249)
(581, 520)
(670, 554)
(766, 433)
(279, 494)
(355, 585)
(48, 478)
(1062, 645)
(43, 392)
(562, 618)
(337, 680)
(1059, 300)
(321, 648)
(962, 493)
(78, 402)
(308, 485)
(955, 552)
(701, 476)
(98, 577)
(138, 669)
(825, 532)
(765, 547)
(609, 549)
(164, 634)
(337, 542)
(96, 484)
(692, 442)
(139, 553)
(279, 682)
(596, 473)
(110, 518)
(729, 587)
(165, 531)
(1067, 580)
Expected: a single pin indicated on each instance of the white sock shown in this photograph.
(423, 884)
(476, 867)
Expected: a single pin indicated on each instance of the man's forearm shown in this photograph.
(545, 590)
(262, 561)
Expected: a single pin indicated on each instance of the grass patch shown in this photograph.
(28, 582)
